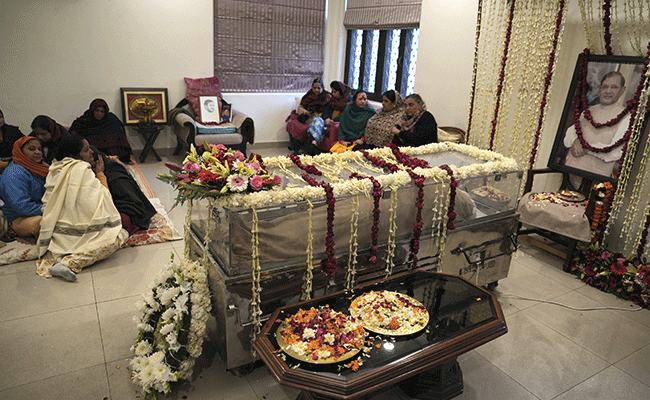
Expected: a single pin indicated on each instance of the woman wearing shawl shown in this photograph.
(8, 136)
(341, 97)
(354, 120)
(379, 128)
(311, 105)
(133, 205)
(50, 133)
(102, 129)
(80, 223)
(417, 125)
(22, 185)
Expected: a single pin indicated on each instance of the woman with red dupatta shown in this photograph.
(102, 129)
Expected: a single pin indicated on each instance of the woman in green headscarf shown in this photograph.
(354, 120)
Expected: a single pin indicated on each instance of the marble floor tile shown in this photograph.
(540, 359)
(606, 333)
(87, 383)
(117, 327)
(130, 271)
(48, 345)
(26, 293)
(612, 383)
(609, 300)
(637, 365)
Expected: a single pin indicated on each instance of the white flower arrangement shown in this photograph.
(493, 163)
(173, 323)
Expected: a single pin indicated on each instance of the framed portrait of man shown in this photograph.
(209, 109)
(595, 123)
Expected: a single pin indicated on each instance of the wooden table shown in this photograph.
(462, 316)
(149, 132)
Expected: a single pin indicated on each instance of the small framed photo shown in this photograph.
(144, 105)
(226, 111)
(210, 109)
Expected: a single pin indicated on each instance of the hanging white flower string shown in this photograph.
(392, 232)
(256, 289)
(188, 232)
(207, 239)
(350, 275)
(309, 272)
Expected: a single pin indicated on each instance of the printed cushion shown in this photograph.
(201, 87)
(215, 129)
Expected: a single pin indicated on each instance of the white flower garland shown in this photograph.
(309, 272)
(175, 311)
(256, 288)
(354, 231)
(392, 233)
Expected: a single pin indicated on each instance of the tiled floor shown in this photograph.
(61, 340)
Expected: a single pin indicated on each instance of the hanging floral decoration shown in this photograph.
(451, 214)
(376, 212)
(217, 171)
(604, 193)
(607, 24)
(628, 278)
(330, 268)
(548, 79)
(417, 226)
(173, 323)
(502, 74)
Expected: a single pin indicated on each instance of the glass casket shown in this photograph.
(292, 224)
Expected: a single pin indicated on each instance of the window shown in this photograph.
(381, 60)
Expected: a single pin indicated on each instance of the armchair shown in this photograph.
(188, 131)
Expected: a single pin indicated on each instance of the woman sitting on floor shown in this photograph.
(102, 129)
(417, 125)
(379, 127)
(8, 136)
(354, 119)
(311, 105)
(326, 124)
(80, 223)
(22, 185)
(50, 134)
(134, 207)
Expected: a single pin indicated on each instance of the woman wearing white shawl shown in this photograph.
(80, 223)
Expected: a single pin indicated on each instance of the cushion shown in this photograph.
(201, 87)
(215, 129)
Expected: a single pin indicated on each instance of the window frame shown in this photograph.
(381, 63)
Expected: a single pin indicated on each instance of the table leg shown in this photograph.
(150, 139)
(442, 382)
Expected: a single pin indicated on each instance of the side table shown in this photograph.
(149, 132)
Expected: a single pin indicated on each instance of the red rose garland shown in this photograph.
(451, 215)
(405, 159)
(374, 232)
(607, 22)
(581, 102)
(502, 75)
(547, 83)
(417, 226)
(330, 268)
(310, 169)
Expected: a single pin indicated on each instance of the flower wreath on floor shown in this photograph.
(172, 327)
(175, 309)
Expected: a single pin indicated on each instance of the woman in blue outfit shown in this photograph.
(22, 185)
(354, 119)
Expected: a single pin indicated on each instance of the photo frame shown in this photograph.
(144, 105)
(596, 86)
(209, 109)
(226, 111)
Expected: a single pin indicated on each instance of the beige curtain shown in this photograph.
(383, 14)
(268, 45)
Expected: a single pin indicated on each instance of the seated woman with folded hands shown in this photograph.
(80, 223)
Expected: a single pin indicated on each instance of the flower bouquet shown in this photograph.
(216, 171)
(172, 327)
(628, 278)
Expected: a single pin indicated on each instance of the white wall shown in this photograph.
(57, 56)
